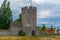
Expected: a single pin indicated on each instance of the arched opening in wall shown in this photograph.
(33, 33)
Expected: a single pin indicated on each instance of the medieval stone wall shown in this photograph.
(5, 32)
(13, 31)
(15, 27)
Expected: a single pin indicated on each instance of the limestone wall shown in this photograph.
(5, 32)
(14, 29)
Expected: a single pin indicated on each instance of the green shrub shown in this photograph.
(21, 33)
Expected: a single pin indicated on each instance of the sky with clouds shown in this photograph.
(48, 11)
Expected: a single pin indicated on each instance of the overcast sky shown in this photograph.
(48, 11)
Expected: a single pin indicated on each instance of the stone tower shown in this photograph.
(29, 19)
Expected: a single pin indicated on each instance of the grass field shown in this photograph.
(29, 38)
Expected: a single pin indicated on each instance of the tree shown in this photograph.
(57, 29)
(5, 15)
(20, 18)
(51, 28)
(43, 27)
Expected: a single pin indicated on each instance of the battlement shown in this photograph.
(29, 7)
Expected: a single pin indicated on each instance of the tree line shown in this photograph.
(44, 27)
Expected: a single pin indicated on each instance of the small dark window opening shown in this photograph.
(33, 33)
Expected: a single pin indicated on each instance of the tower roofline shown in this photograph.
(29, 7)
